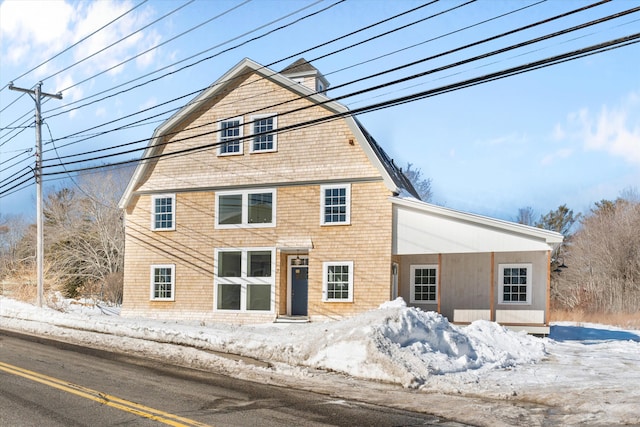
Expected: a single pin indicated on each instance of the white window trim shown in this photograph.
(173, 282)
(325, 284)
(274, 134)
(240, 137)
(347, 187)
(243, 281)
(153, 211)
(501, 285)
(413, 283)
(245, 208)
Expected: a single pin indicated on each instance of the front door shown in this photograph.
(299, 273)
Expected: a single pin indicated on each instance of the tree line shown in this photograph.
(597, 268)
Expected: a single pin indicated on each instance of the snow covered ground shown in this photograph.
(481, 374)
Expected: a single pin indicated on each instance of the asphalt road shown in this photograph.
(47, 384)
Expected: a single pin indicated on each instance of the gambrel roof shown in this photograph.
(392, 176)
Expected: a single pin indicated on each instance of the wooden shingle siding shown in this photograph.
(305, 159)
(311, 153)
(191, 248)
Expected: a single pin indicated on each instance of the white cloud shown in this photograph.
(562, 153)
(511, 138)
(151, 102)
(39, 21)
(615, 130)
(34, 31)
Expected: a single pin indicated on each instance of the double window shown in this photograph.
(335, 204)
(163, 212)
(163, 278)
(424, 284)
(337, 282)
(230, 137)
(263, 139)
(247, 208)
(515, 283)
(244, 279)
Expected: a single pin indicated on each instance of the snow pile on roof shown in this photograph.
(393, 344)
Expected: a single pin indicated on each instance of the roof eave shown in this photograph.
(552, 238)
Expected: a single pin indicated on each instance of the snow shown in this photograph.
(396, 355)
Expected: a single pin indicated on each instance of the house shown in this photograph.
(263, 200)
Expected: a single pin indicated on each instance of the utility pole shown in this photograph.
(37, 95)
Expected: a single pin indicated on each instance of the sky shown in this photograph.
(582, 374)
(564, 134)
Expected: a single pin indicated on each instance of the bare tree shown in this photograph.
(526, 216)
(604, 260)
(84, 234)
(421, 184)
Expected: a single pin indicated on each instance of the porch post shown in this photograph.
(439, 280)
(547, 314)
(492, 290)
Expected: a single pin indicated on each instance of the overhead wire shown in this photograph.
(195, 55)
(565, 57)
(256, 29)
(310, 49)
(190, 57)
(117, 153)
(136, 56)
(323, 44)
(101, 166)
(414, 76)
(72, 46)
(535, 65)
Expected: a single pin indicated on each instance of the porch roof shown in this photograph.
(423, 228)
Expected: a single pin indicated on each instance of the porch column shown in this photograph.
(492, 290)
(439, 281)
(547, 317)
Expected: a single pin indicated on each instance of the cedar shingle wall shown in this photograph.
(191, 246)
(316, 152)
(313, 154)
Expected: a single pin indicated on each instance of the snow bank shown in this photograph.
(394, 343)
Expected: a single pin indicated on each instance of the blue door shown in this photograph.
(299, 289)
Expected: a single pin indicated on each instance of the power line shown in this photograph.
(117, 154)
(71, 47)
(193, 56)
(115, 43)
(414, 76)
(565, 57)
(266, 66)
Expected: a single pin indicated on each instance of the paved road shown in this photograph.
(45, 383)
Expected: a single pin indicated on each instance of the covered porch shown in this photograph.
(470, 267)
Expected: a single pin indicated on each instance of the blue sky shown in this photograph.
(566, 134)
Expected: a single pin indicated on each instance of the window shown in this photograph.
(337, 281)
(162, 282)
(264, 141)
(244, 279)
(163, 212)
(249, 208)
(230, 137)
(335, 204)
(424, 284)
(515, 283)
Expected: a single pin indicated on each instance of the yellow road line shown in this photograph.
(105, 399)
